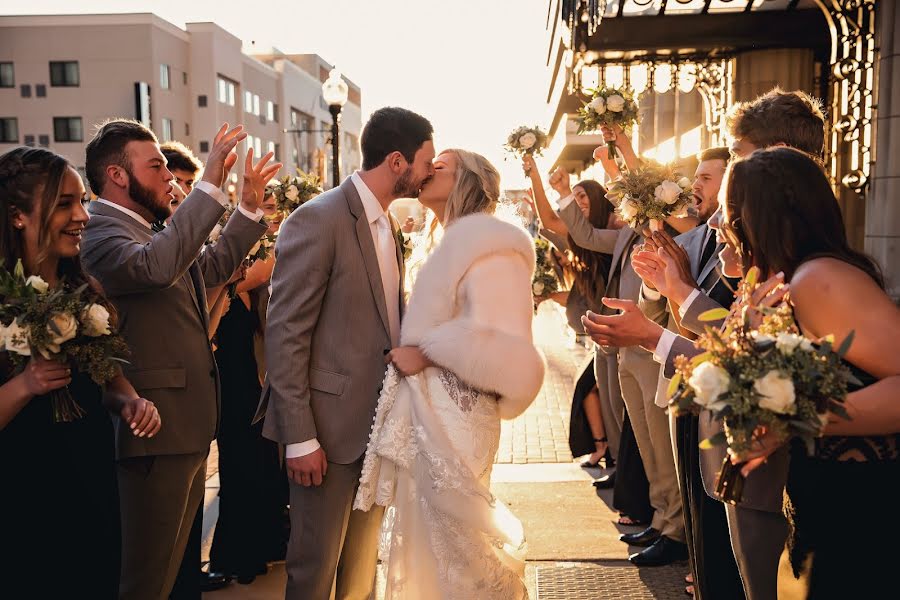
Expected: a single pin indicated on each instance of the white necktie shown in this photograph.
(390, 276)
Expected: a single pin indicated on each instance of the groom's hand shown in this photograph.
(307, 470)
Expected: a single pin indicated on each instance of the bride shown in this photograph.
(466, 360)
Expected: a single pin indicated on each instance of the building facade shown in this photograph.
(61, 75)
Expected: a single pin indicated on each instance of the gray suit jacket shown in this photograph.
(157, 284)
(327, 331)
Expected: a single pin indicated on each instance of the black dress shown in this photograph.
(250, 529)
(841, 506)
(59, 501)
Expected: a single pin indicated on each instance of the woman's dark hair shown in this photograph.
(393, 129)
(32, 178)
(590, 267)
(782, 213)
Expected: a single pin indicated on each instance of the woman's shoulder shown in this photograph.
(474, 237)
(825, 275)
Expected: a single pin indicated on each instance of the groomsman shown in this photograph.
(157, 284)
(757, 527)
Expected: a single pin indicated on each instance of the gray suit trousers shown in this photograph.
(160, 496)
(757, 539)
(333, 550)
(612, 407)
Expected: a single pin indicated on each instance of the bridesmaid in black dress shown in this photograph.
(59, 503)
(841, 501)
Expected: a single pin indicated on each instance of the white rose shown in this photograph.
(615, 103)
(527, 140)
(708, 382)
(66, 328)
(777, 393)
(215, 233)
(95, 319)
(668, 192)
(538, 288)
(628, 208)
(788, 342)
(292, 193)
(598, 105)
(761, 338)
(39, 285)
(16, 338)
(255, 248)
(684, 183)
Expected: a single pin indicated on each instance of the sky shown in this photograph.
(475, 68)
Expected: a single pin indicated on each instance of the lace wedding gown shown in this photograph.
(436, 434)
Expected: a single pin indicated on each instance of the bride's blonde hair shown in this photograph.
(477, 186)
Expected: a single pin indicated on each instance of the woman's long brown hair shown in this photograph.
(591, 268)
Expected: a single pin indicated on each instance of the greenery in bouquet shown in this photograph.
(544, 282)
(651, 191)
(292, 191)
(263, 249)
(762, 380)
(62, 324)
(526, 140)
(217, 230)
(609, 106)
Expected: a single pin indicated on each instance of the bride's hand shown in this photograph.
(408, 360)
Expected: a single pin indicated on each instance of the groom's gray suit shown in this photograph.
(326, 338)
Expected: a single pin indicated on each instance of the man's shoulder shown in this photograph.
(691, 234)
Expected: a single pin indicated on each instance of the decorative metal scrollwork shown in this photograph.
(853, 58)
(714, 80)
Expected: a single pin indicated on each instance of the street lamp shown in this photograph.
(335, 90)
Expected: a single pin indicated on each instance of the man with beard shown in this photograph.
(157, 284)
(334, 314)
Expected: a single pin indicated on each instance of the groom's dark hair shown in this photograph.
(393, 129)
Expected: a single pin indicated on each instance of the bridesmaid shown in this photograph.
(781, 216)
(60, 497)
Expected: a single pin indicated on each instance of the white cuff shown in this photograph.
(664, 346)
(252, 216)
(682, 310)
(564, 202)
(301, 449)
(651, 295)
(219, 195)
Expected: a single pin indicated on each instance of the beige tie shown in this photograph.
(390, 276)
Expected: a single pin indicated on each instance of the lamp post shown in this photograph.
(334, 91)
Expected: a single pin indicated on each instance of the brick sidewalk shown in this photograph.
(541, 434)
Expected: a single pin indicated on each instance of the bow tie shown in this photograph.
(157, 226)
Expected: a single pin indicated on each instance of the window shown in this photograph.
(271, 148)
(255, 104)
(28, 140)
(204, 147)
(166, 129)
(277, 151)
(184, 78)
(40, 90)
(270, 110)
(248, 102)
(7, 75)
(257, 147)
(25, 90)
(201, 101)
(67, 129)
(64, 74)
(225, 92)
(275, 112)
(187, 129)
(9, 130)
(304, 143)
(164, 73)
(44, 140)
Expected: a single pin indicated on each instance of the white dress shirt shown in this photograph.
(386, 250)
(204, 186)
(564, 202)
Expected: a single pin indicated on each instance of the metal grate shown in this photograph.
(584, 581)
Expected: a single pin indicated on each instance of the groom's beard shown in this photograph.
(144, 197)
(406, 186)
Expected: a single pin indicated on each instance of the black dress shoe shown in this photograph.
(210, 582)
(646, 537)
(664, 552)
(607, 482)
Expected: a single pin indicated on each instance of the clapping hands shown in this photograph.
(663, 265)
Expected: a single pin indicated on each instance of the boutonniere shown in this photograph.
(405, 244)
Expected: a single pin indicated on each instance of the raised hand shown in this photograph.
(256, 176)
(559, 181)
(221, 155)
(142, 416)
(529, 166)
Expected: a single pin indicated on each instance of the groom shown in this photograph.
(333, 316)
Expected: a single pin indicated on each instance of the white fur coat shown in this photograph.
(471, 308)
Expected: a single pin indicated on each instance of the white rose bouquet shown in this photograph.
(544, 281)
(292, 191)
(62, 324)
(768, 380)
(609, 106)
(651, 191)
(262, 249)
(526, 140)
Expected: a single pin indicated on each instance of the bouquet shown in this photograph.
(651, 191)
(217, 230)
(292, 191)
(61, 324)
(404, 242)
(262, 249)
(764, 380)
(526, 140)
(544, 282)
(608, 106)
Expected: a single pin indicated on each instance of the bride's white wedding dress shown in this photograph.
(436, 434)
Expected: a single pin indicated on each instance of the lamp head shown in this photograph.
(335, 89)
